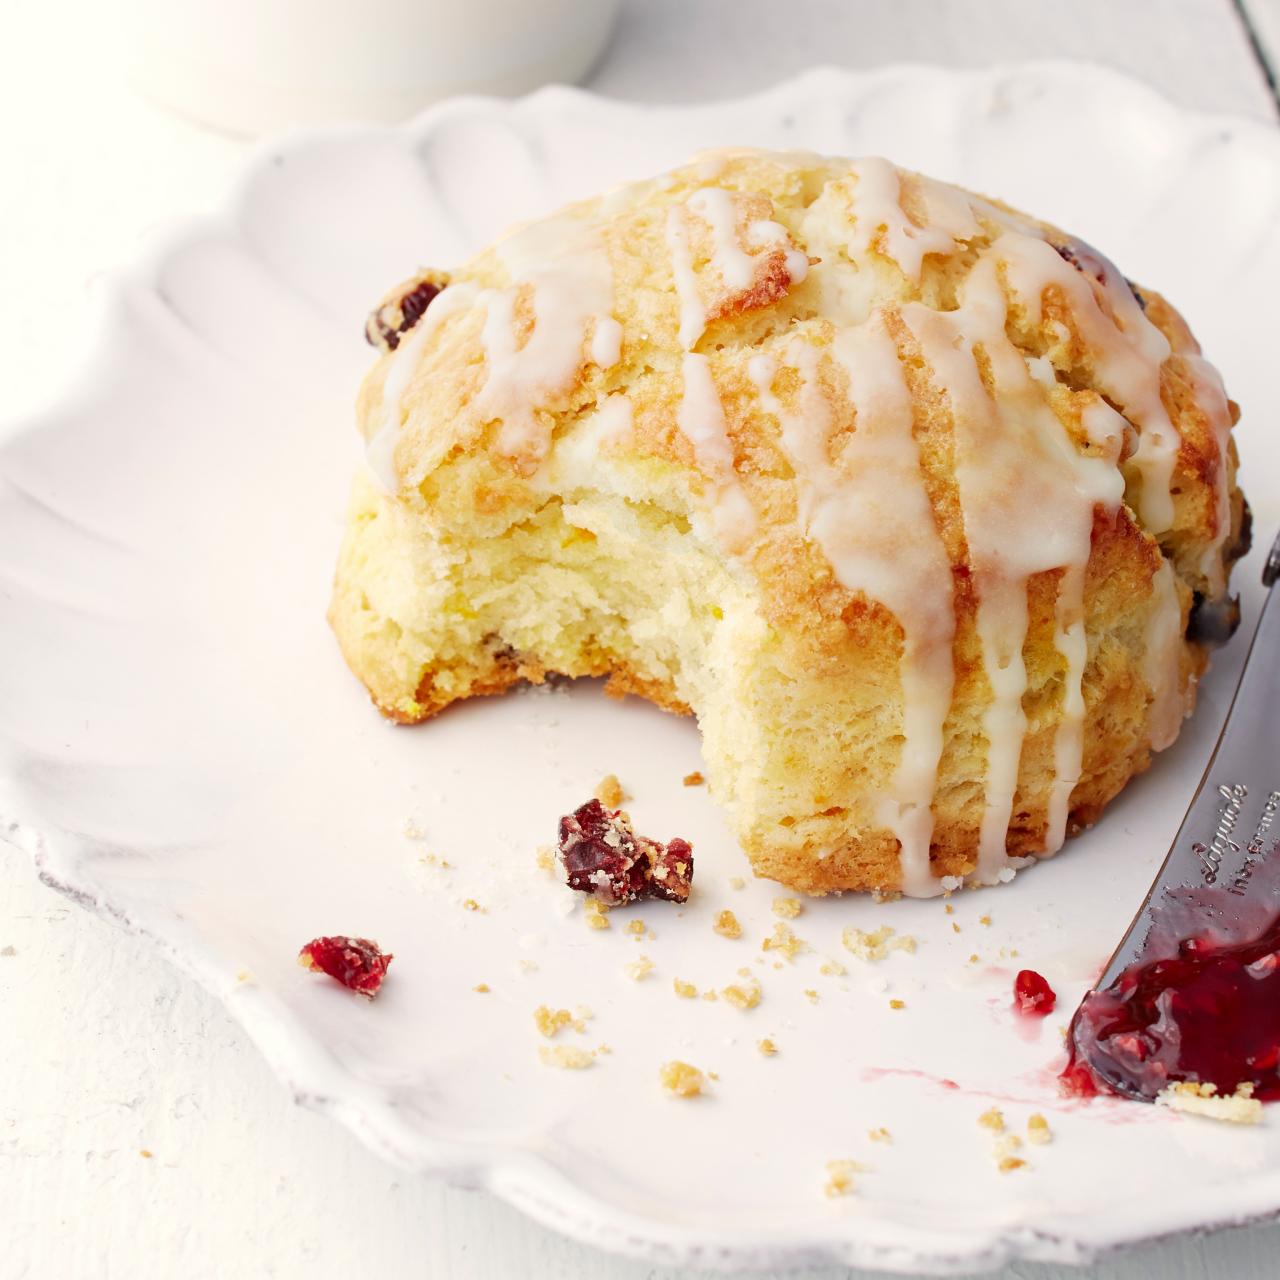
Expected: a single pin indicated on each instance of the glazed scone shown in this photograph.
(906, 496)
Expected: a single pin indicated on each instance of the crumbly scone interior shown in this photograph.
(759, 500)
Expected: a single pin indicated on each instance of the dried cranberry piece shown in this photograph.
(671, 870)
(357, 963)
(1211, 623)
(601, 855)
(1032, 994)
(604, 857)
(399, 313)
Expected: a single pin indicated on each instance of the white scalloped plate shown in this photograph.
(181, 747)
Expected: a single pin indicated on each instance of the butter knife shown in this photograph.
(1209, 879)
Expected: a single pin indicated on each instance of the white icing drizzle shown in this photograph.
(380, 451)
(1028, 500)
(1104, 428)
(701, 418)
(613, 420)
(1068, 744)
(736, 267)
(767, 232)
(606, 343)
(1211, 396)
(870, 513)
(1161, 662)
(1126, 352)
(881, 222)
(693, 314)
(715, 206)
(563, 263)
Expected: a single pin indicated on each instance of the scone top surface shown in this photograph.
(956, 480)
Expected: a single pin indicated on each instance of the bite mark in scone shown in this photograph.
(906, 495)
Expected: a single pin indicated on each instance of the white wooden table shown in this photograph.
(140, 1134)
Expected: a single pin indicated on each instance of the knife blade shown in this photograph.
(1209, 884)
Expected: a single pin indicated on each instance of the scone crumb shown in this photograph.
(709, 994)
(145, 1154)
(1038, 1131)
(546, 858)
(897, 1004)
(784, 942)
(767, 1047)
(880, 1135)
(596, 914)
(741, 997)
(882, 896)
(470, 904)
(552, 1021)
(610, 793)
(787, 908)
(737, 882)
(875, 944)
(566, 1056)
(1204, 1100)
(685, 990)
(1006, 1161)
(973, 959)
(727, 925)
(680, 1079)
(636, 928)
(811, 995)
(840, 1177)
(694, 779)
(950, 910)
(955, 928)
(639, 969)
(482, 988)
(985, 921)
(993, 1118)
(832, 968)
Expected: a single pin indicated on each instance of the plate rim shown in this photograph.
(525, 1180)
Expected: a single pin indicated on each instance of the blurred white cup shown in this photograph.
(249, 66)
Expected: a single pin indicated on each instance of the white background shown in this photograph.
(105, 1052)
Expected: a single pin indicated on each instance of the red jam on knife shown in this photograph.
(1202, 1004)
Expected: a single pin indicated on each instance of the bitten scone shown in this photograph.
(915, 502)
